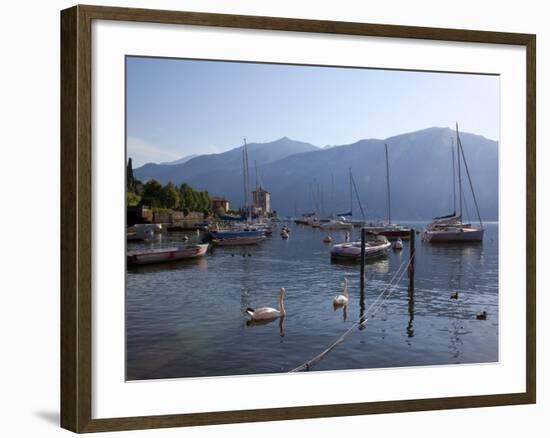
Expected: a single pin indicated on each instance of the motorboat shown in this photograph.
(375, 246)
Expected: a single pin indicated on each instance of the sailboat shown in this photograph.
(342, 222)
(247, 234)
(391, 231)
(451, 228)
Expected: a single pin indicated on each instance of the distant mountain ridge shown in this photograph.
(420, 172)
(181, 160)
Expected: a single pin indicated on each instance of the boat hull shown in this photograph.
(455, 235)
(164, 255)
(352, 251)
(238, 241)
(336, 226)
(390, 234)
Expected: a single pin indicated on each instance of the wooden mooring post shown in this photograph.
(412, 261)
(363, 241)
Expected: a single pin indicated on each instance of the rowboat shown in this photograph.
(163, 255)
(375, 246)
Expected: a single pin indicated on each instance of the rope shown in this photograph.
(306, 366)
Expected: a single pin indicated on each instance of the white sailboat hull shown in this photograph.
(466, 234)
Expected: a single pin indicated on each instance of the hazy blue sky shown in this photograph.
(181, 107)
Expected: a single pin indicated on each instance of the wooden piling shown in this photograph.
(363, 241)
(412, 261)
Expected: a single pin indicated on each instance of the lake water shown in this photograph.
(188, 319)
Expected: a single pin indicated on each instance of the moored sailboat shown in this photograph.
(451, 228)
(391, 231)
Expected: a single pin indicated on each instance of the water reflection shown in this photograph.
(410, 309)
(165, 337)
(262, 322)
(344, 308)
(199, 263)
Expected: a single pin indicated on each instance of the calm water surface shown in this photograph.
(188, 319)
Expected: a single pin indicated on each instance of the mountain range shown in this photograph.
(296, 173)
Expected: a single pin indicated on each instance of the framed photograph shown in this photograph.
(269, 218)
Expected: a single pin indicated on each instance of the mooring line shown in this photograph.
(306, 366)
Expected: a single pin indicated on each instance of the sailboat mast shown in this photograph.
(459, 173)
(332, 197)
(468, 175)
(388, 183)
(358, 198)
(454, 175)
(245, 192)
(350, 193)
(247, 180)
(256, 169)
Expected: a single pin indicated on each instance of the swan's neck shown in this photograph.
(346, 293)
(282, 304)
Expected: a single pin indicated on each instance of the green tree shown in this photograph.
(130, 181)
(152, 193)
(186, 200)
(132, 199)
(170, 197)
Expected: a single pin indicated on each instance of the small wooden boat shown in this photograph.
(163, 255)
(375, 247)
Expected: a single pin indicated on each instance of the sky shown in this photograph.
(178, 107)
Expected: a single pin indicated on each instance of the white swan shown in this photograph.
(268, 312)
(341, 300)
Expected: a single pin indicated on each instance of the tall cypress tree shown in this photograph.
(130, 182)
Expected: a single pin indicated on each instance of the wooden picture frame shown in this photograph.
(76, 218)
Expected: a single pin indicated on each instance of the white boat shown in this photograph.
(376, 246)
(142, 232)
(163, 255)
(451, 228)
(398, 245)
(458, 232)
